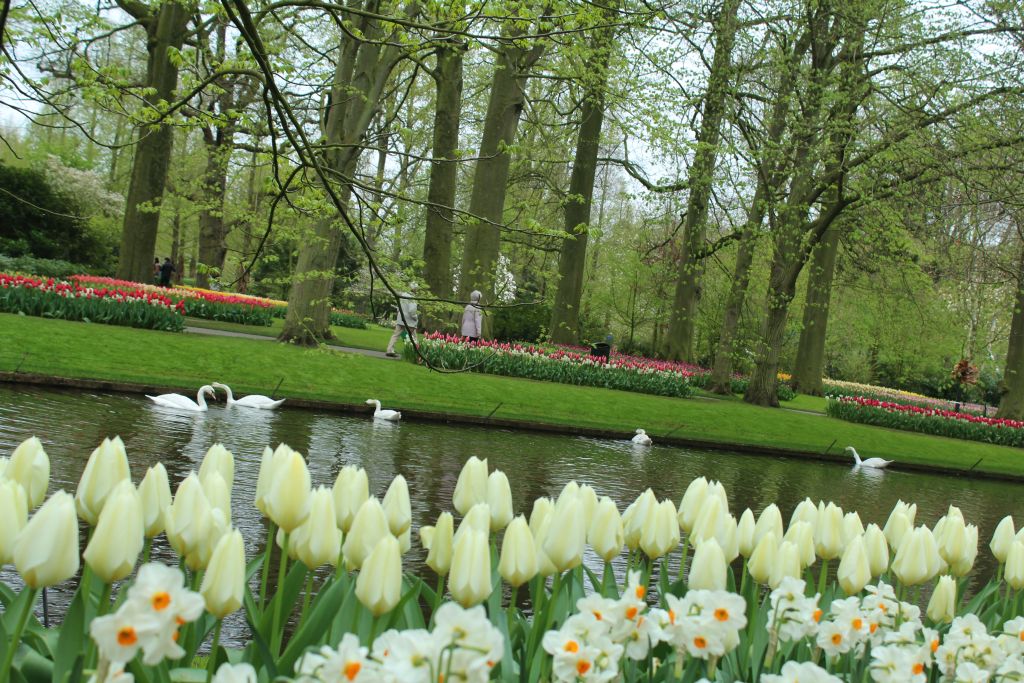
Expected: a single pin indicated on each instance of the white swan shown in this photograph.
(378, 414)
(874, 463)
(641, 438)
(179, 402)
(251, 401)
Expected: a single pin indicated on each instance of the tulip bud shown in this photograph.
(965, 562)
(499, 499)
(30, 466)
(637, 516)
(690, 505)
(877, 550)
(828, 534)
(155, 497)
(896, 527)
(46, 550)
(745, 531)
(396, 506)
(379, 586)
(368, 528)
(218, 459)
(542, 509)
(518, 563)
(469, 580)
(852, 527)
(200, 555)
(787, 564)
(14, 513)
(117, 540)
(564, 547)
(770, 520)
(477, 519)
(708, 570)
(188, 517)
(405, 541)
(471, 487)
(588, 498)
(439, 554)
(728, 539)
(3, 465)
(661, 534)
(951, 538)
(224, 581)
(805, 511)
(426, 537)
(217, 492)
(917, 559)
(318, 541)
(708, 519)
(1002, 538)
(942, 606)
(264, 478)
(544, 566)
(605, 535)
(1014, 572)
(570, 490)
(107, 466)
(801, 534)
(288, 494)
(762, 559)
(854, 569)
(351, 490)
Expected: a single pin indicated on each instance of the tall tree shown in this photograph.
(810, 354)
(1011, 406)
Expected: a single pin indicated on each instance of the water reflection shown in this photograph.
(72, 423)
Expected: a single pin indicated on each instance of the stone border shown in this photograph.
(36, 379)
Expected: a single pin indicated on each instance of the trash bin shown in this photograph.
(601, 350)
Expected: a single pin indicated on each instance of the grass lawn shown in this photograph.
(374, 337)
(83, 350)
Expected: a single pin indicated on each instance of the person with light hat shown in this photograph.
(406, 319)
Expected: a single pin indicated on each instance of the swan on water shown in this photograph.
(874, 463)
(179, 402)
(641, 438)
(251, 401)
(389, 415)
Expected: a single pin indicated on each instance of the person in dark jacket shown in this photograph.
(166, 270)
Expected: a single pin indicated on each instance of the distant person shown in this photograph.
(166, 270)
(406, 319)
(156, 270)
(473, 318)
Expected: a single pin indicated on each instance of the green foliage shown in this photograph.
(738, 385)
(521, 322)
(30, 265)
(347, 319)
(244, 314)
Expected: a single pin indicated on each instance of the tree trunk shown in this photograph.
(437, 241)
(1011, 406)
(166, 33)
(762, 388)
(572, 259)
(682, 321)
(490, 178)
(810, 355)
(212, 231)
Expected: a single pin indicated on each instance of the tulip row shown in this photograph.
(365, 622)
(835, 387)
(543, 363)
(54, 299)
(926, 420)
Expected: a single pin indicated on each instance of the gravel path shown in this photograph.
(263, 337)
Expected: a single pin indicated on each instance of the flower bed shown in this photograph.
(70, 301)
(756, 601)
(926, 420)
(835, 387)
(554, 365)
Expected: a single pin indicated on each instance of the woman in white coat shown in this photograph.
(473, 318)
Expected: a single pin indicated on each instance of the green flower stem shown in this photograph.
(276, 629)
(308, 596)
(438, 594)
(271, 531)
(823, 577)
(211, 665)
(147, 548)
(19, 627)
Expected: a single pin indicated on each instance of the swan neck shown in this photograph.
(231, 397)
(201, 400)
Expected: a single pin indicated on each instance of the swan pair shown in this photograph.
(378, 414)
(179, 402)
(873, 463)
(641, 438)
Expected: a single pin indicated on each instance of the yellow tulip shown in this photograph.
(854, 568)
(499, 500)
(605, 534)
(570, 490)
(828, 534)
(200, 555)
(379, 586)
(588, 498)
(660, 535)
(368, 528)
(351, 490)
(770, 520)
(439, 554)
(518, 563)
(46, 550)
(787, 564)
(542, 509)
(852, 527)
(942, 606)
(1013, 574)
(877, 549)
(288, 494)
(469, 580)
(762, 559)
(223, 584)
(155, 496)
(118, 537)
(801, 534)
(805, 511)
(637, 516)
(952, 538)
(745, 533)
(471, 487)
(564, 547)
(478, 519)
(397, 507)
(690, 505)
(264, 478)
(218, 459)
(107, 466)
(30, 466)
(917, 559)
(14, 513)
(188, 517)
(218, 493)
(705, 526)
(1002, 538)
(708, 570)
(901, 520)
(544, 566)
(318, 540)
(965, 562)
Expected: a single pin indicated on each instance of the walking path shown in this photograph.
(263, 337)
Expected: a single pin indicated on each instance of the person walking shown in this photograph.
(166, 269)
(156, 271)
(406, 319)
(473, 318)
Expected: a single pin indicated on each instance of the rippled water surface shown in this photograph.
(72, 423)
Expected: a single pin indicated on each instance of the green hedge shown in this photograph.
(108, 311)
(243, 314)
